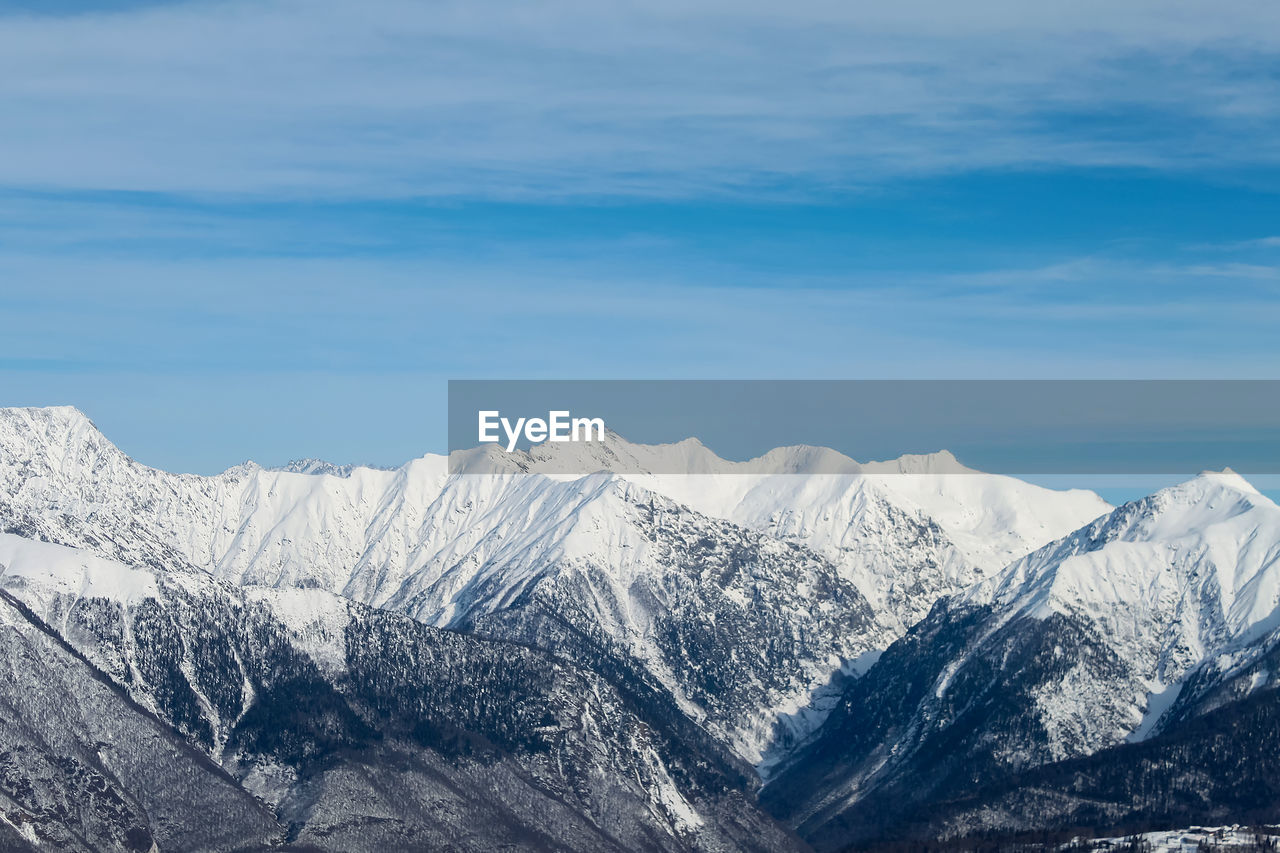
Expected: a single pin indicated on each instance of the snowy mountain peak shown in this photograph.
(68, 415)
(689, 457)
(1227, 479)
(1112, 633)
(269, 526)
(321, 467)
(1213, 511)
(57, 439)
(940, 462)
(49, 425)
(1170, 581)
(619, 455)
(1189, 508)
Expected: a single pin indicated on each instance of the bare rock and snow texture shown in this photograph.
(1143, 620)
(352, 658)
(353, 728)
(817, 570)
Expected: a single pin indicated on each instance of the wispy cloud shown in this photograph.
(1257, 272)
(1244, 245)
(244, 221)
(562, 98)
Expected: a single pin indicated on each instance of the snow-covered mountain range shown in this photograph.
(304, 709)
(878, 545)
(1089, 642)
(364, 531)
(596, 660)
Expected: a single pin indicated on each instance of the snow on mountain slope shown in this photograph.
(898, 557)
(740, 628)
(906, 532)
(320, 466)
(82, 768)
(67, 571)
(450, 549)
(62, 481)
(1170, 581)
(321, 707)
(1079, 646)
(363, 531)
(990, 519)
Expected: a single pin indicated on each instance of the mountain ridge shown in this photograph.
(1081, 646)
(417, 538)
(903, 647)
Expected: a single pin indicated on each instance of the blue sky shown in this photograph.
(270, 229)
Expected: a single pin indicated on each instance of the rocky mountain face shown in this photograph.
(345, 728)
(1221, 767)
(1133, 626)
(922, 523)
(818, 570)
(737, 627)
(84, 768)
(540, 657)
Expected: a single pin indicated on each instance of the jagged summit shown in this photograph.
(904, 539)
(746, 610)
(689, 456)
(311, 465)
(452, 548)
(1228, 478)
(1206, 551)
(65, 414)
(59, 441)
(55, 425)
(244, 469)
(48, 426)
(1100, 637)
(939, 462)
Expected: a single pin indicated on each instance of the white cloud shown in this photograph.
(1261, 243)
(394, 98)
